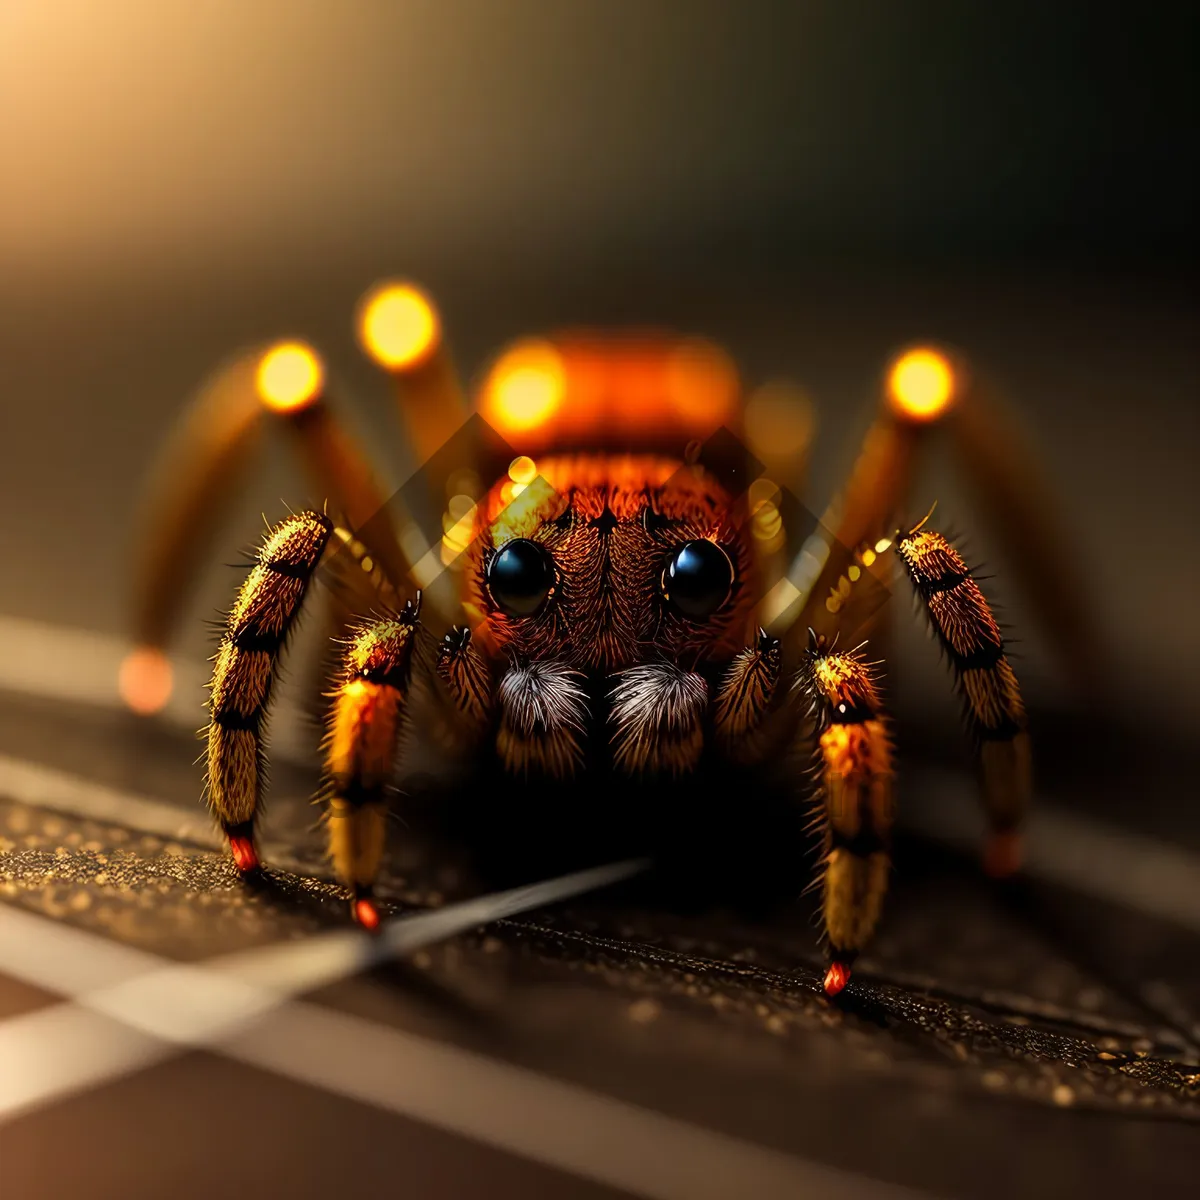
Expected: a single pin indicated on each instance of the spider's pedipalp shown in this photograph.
(656, 718)
(744, 698)
(467, 676)
(544, 715)
(256, 630)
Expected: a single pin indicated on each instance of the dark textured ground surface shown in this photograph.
(1031, 1042)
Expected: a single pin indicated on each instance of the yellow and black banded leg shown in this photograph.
(360, 750)
(995, 714)
(256, 630)
(855, 763)
(743, 700)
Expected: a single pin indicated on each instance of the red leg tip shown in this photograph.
(836, 978)
(366, 914)
(245, 856)
(1002, 855)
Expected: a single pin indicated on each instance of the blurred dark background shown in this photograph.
(814, 183)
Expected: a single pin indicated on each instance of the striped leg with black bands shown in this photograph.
(360, 751)
(255, 633)
(855, 764)
(995, 714)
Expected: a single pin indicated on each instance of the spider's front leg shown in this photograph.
(360, 751)
(256, 629)
(856, 776)
(854, 750)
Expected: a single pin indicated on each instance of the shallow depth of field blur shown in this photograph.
(813, 185)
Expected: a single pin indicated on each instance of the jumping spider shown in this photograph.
(610, 595)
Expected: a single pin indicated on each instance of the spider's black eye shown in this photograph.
(698, 578)
(520, 577)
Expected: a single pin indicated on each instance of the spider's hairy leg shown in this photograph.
(657, 719)
(205, 462)
(360, 749)
(256, 629)
(995, 713)
(543, 718)
(1013, 489)
(855, 762)
(743, 700)
(205, 459)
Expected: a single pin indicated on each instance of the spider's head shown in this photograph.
(604, 561)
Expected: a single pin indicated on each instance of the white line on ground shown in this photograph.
(149, 1009)
(46, 787)
(191, 1005)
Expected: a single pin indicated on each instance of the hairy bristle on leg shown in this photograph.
(246, 661)
(855, 762)
(360, 749)
(994, 711)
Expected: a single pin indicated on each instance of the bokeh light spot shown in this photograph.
(289, 377)
(146, 680)
(526, 387)
(921, 385)
(398, 326)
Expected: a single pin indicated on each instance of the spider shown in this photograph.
(620, 595)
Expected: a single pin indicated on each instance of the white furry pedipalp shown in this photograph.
(657, 712)
(544, 718)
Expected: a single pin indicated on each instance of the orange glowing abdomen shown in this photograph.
(595, 391)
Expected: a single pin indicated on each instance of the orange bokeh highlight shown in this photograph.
(779, 421)
(398, 326)
(921, 385)
(289, 377)
(526, 387)
(702, 384)
(146, 680)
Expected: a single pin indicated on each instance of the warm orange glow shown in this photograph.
(522, 469)
(702, 383)
(398, 326)
(461, 505)
(526, 387)
(289, 377)
(458, 529)
(146, 680)
(921, 385)
(779, 421)
(466, 482)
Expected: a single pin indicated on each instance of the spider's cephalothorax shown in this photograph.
(610, 605)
